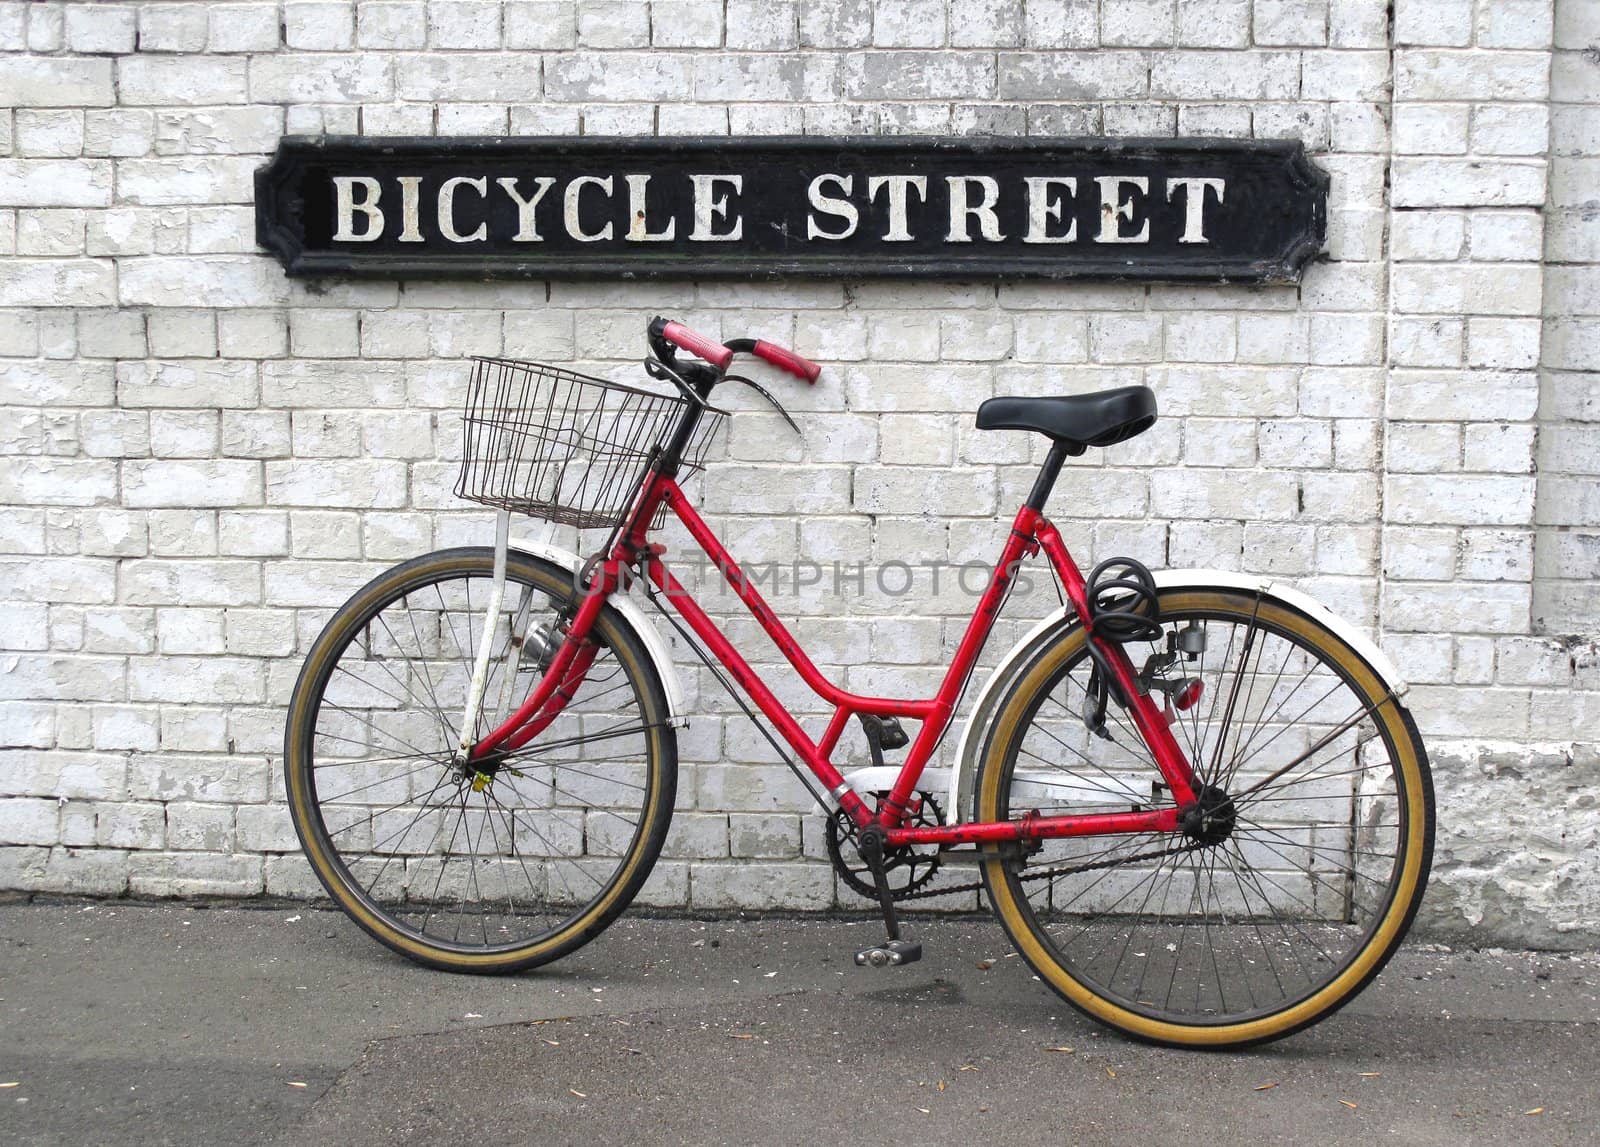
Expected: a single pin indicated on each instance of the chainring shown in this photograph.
(907, 869)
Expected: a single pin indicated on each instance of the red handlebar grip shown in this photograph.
(786, 359)
(699, 345)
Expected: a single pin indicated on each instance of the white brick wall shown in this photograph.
(1567, 553)
(201, 458)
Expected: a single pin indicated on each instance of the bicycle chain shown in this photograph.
(1059, 870)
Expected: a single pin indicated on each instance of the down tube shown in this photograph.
(706, 630)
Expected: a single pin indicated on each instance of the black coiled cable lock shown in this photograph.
(1122, 607)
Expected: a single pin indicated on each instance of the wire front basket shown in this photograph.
(563, 446)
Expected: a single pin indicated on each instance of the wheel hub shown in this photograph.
(1210, 819)
(481, 771)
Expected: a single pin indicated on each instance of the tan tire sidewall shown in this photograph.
(1412, 771)
(626, 881)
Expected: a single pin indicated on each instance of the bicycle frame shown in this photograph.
(1030, 532)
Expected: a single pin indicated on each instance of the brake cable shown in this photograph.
(766, 394)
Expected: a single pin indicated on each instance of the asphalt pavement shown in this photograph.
(189, 1024)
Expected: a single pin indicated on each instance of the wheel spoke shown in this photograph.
(444, 862)
(427, 678)
(373, 883)
(376, 783)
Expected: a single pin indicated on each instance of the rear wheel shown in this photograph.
(475, 869)
(1292, 882)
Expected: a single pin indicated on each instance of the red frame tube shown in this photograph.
(1030, 532)
(1032, 826)
(1147, 717)
(531, 717)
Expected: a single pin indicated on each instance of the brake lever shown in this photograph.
(658, 368)
(766, 394)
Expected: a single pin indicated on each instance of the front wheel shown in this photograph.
(488, 868)
(1283, 895)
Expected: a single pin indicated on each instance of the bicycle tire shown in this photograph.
(563, 830)
(1288, 863)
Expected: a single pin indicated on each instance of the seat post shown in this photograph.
(1045, 482)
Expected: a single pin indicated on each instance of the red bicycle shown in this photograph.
(1199, 806)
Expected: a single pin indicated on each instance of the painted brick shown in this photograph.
(154, 80)
(1214, 75)
(625, 76)
(1468, 183)
(54, 183)
(38, 81)
(918, 75)
(244, 28)
(194, 874)
(1434, 22)
(1058, 76)
(1466, 75)
(333, 79)
(172, 28)
(28, 821)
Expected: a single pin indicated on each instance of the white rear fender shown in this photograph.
(963, 771)
(655, 645)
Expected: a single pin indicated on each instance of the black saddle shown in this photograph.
(1079, 421)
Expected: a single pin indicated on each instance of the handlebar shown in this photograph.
(699, 345)
(720, 355)
(785, 359)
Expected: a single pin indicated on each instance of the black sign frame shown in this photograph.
(1274, 223)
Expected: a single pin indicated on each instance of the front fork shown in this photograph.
(568, 662)
(491, 622)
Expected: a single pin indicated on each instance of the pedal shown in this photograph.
(893, 950)
(890, 954)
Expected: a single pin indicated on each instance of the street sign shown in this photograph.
(1188, 210)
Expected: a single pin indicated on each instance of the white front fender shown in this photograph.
(655, 645)
(973, 737)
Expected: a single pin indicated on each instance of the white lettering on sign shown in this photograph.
(1194, 198)
(447, 208)
(830, 205)
(347, 206)
(570, 208)
(410, 193)
(1043, 210)
(898, 232)
(708, 206)
(527, 225)
(1046, 208)
(961, 208)
(638, 227)
(1114, 208)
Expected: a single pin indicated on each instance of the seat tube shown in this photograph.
(1048, 473)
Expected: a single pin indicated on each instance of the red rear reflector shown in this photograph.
(1187, 694)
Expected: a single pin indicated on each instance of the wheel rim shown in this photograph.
(1192, 930)
(472, 861)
